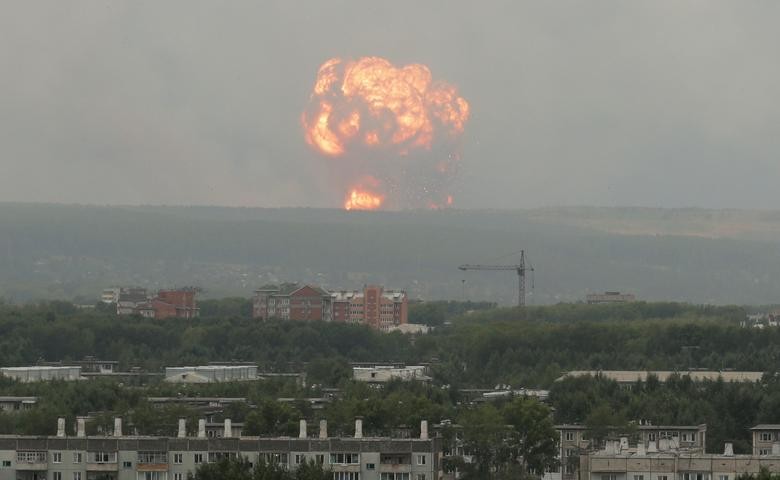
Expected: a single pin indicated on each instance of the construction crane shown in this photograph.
(519, 268)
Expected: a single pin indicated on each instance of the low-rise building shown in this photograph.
(167, 303)
(120, 457)
(42, 373)
(630, 377)
(766, 439)
(17, 404)
(609, 297)
(211, 373)
(384, 374)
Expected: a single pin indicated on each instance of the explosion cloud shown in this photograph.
(391, 131)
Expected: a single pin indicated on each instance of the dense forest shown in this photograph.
(469, 348)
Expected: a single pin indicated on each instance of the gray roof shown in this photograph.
(766, 426)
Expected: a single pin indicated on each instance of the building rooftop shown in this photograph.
(631, 376)
(767, 426)
(38, 367)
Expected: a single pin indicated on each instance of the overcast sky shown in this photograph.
(657, 103)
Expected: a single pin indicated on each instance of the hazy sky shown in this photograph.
(657, 102)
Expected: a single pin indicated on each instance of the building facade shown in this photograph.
(169, 303)
(609, 297)
(119, 457)
(42, 373)
(574, 441)
(211, 373)
(373, 306)
(664, 453)
(292, 302)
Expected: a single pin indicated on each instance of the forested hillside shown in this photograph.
(63, 252)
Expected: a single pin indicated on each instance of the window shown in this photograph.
(651, 437)
(56, 457)
(570, 452)
(56, 476)
(370, 466)
(197, 458)
(101, 457)
(277, 458)
(394, 476)
(299, 458)
(639, 477)
(610, 476)
(766, 437)
(76, 475)
(723, 477)
(569, 436)
(346, 476)
(420, 476)
(319, 458)
(663, 477)
(76, 457)
(178, 476)
(178, 458)
(218, 456)
(6, 463)
(344, 458)
(695, 476)
(127, 465)
(420, 459)
(152, 475)
(764, 451)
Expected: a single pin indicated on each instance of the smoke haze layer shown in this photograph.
(190, 102)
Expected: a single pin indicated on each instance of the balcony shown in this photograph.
(152, 462)
(31, 461)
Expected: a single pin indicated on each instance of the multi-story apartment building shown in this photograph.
(574, 441)
(664, 453)
(292, 302)
(661, 461)
(119, 457)
(374, 306)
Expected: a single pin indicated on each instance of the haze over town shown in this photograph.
(666, 104)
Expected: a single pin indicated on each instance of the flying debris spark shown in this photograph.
(394, 124)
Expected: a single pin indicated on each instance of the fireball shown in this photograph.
(380, 118)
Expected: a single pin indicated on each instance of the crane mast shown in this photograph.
(520, 268)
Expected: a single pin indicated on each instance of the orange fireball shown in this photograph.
(382, 121)
(389, 106)
(362, 200)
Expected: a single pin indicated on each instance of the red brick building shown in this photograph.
(292, 302)
(179, 303)
(373, 306)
